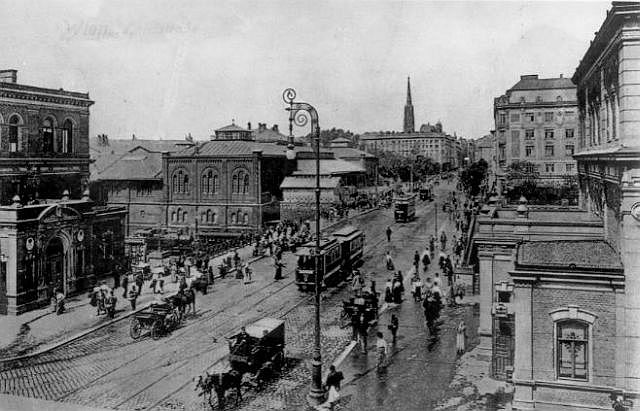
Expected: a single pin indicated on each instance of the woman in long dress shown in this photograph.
(461, 338)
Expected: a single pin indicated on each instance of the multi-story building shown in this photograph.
(577, 304)
(536, 121)
(430, 141)
(51, 234)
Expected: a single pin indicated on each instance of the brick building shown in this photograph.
(51, 233)
(536, 120)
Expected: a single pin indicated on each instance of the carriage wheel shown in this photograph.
(156, 329)
(135, 328)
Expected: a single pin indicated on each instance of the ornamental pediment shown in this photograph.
(58, 212)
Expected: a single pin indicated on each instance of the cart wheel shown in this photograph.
(156, 327)
(135, 328)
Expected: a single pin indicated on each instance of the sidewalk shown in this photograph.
(41, 329)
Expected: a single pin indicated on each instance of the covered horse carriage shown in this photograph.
(158, 319)
(259, 348)
(365, 304)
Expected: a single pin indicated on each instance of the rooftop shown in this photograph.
(307, 182)
(327, 167)
(554, 215)
(138, 165)
(232, 127)
(105, 153)
(572, 254)
(348, 152)
(532, 82)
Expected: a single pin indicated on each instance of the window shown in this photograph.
(14, 132)
(528, 150)
(141, 213)
(569, 168)
(529, 117)
(180, 182)
(539, 99)
(548, 117)
(569, 149)
(233, 218)
(47, 135)
(67, 137)
(568, 114)
(173, 217)
(210, 183)
(548, 133)
(502, 118)
(549, 168)
(572, 350)
(548, 151)
(568, 133)
(245, 185)
(515, 143)
(529, 134)
(515, 117)
(246, 219)
(240, 182)
(559, 99)
(522, 99)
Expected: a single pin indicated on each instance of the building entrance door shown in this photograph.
(54, 266)
(503, 346)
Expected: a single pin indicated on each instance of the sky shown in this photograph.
(161, 69)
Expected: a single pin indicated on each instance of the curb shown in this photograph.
(130, 313)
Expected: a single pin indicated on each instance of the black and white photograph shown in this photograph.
(332, 205)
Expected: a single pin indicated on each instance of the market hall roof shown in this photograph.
(136, 165)
(222, 148)
(568, 254)
(307, 182)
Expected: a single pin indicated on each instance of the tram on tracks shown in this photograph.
(339, 254)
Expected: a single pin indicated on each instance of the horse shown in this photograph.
(220, 383)
(185, 300)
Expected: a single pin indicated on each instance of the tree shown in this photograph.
(523, 176)
(473, 176)
(327, 136)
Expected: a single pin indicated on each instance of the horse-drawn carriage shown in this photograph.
(366, 304)
(159, 319)
(256, 352)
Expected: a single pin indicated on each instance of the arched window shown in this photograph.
(14, 132)
(209, 182)
(67, 137)
(214, 218)
(203, 217)
(208, 216)
(174, 183)
(180, 182)
(233, 218)
(185, 184)
(184, 216)
(559, 98)
(234, 184)
(216, 183)
(173, 217)
(245, 185)
(246, 219)
(47, 135)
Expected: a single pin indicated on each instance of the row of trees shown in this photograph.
(523, 180)
(471, 178)
(396, 166)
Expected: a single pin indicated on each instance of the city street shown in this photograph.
(108, 369)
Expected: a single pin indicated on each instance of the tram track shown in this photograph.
(86, 357)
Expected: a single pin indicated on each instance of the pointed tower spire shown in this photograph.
(409, 123)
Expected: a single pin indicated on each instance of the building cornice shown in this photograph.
(27, 96)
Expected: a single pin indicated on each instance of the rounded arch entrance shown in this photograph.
(56, 267)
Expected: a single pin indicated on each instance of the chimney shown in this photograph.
(561, 75)
(262, 126)
(529, 77)
(9, 76)
(249, 126)
(275, 128)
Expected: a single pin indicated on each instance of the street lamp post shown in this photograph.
(299, 114)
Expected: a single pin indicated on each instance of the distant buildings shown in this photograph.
(430, 141)
(536, 121)
(225, 186)
(51, 234)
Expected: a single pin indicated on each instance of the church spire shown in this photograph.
(409, 123)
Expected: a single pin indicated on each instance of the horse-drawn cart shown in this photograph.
(260, 345)
(366, 304)
(158, 319)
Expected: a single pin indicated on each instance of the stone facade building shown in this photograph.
(51, 234)
(536, 120)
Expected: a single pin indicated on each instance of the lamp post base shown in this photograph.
(317, 395)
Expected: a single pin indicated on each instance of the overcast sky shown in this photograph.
(162, 69)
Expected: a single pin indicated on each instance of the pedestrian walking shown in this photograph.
(133, 296)
(461, 338)
(389, 261)
(247, 272)
(393, 327)
(416, 260)
(125, 285)
(426, 260)
(443, 241)
(389, 231)
(116, 277)
(278, 266)
(236, 259)
(416, 284)
(382, 349)
(355, 326)
(363, 331)
(332, 385)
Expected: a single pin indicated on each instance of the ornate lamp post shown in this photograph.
(299, 114)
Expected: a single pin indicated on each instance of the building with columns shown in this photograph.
(577, 305)
(51, 234)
